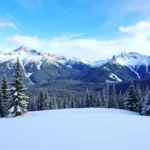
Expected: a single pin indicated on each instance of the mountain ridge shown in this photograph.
(43, 66)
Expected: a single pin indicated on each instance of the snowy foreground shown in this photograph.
(76, 129)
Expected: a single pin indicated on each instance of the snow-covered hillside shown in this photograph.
(76, 129)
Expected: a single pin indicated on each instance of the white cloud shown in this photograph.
(68, 36)
(135, 38)
(33, 42)
(8, 24)
(7, 21)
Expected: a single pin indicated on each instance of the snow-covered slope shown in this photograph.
(77, 64)
(76, 129)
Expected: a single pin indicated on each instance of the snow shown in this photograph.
(135, 72)
(100, 63)
(132, 60)
(113, 76)
(72, 61)
(76, 129)
(28, 74)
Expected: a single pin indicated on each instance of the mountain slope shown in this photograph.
(122, 68)
(137, 63)
(37, 67)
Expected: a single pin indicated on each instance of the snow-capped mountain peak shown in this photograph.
(21, 49)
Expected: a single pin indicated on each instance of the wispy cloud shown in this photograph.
(8, 24)
(7, 21)
(135, 38)
(33, 42)
(68, 36)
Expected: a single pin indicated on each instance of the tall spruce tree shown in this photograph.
(145, 110)
(40, 101)
(91, 99)
(131, 102)
(2, 109)
(138, 97)
(113, 102)
(99, 100)
(120, 99)
(5, 95)
(18, 104)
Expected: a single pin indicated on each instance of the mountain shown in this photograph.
(41, 66)
(37, 66)
(137, 63)
(121, 68)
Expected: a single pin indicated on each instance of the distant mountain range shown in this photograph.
(41, 66)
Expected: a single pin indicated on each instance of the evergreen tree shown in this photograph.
(138, 97)
(113, 102)
(19, 104)
(131, 102)
(120, 99)
(2, 109)
(104, 101)
(99, 100)
(72, 104)
(146, 104)
(5, 95)
(106, 95)
(54, 104)
(91, 100)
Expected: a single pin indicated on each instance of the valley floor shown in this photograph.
(76, 129)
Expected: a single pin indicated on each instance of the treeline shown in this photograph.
(134, 99)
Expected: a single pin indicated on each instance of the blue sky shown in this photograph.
(76, 27)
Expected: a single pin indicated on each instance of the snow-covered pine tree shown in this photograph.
(72, 105)
(18, 104)
(106, 96)
(104, 100)
(5, 95)
(2, 109)
(99, 100)
(113, 100)
(120, 99)
(40, 101)
(54, 104)
(146, 104)
(90, 99)
(131, 102)
(138, 97)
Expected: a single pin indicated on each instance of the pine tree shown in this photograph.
(90, 99)
(54, 104)
(106, 95)
(5, 95)
(131, 102)
(104, 100)
(19, 104)
(114, 102)
(146, 104)
(99, 100)
(40, 102)
(2, 109)
(120, 99)
(138, 97)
